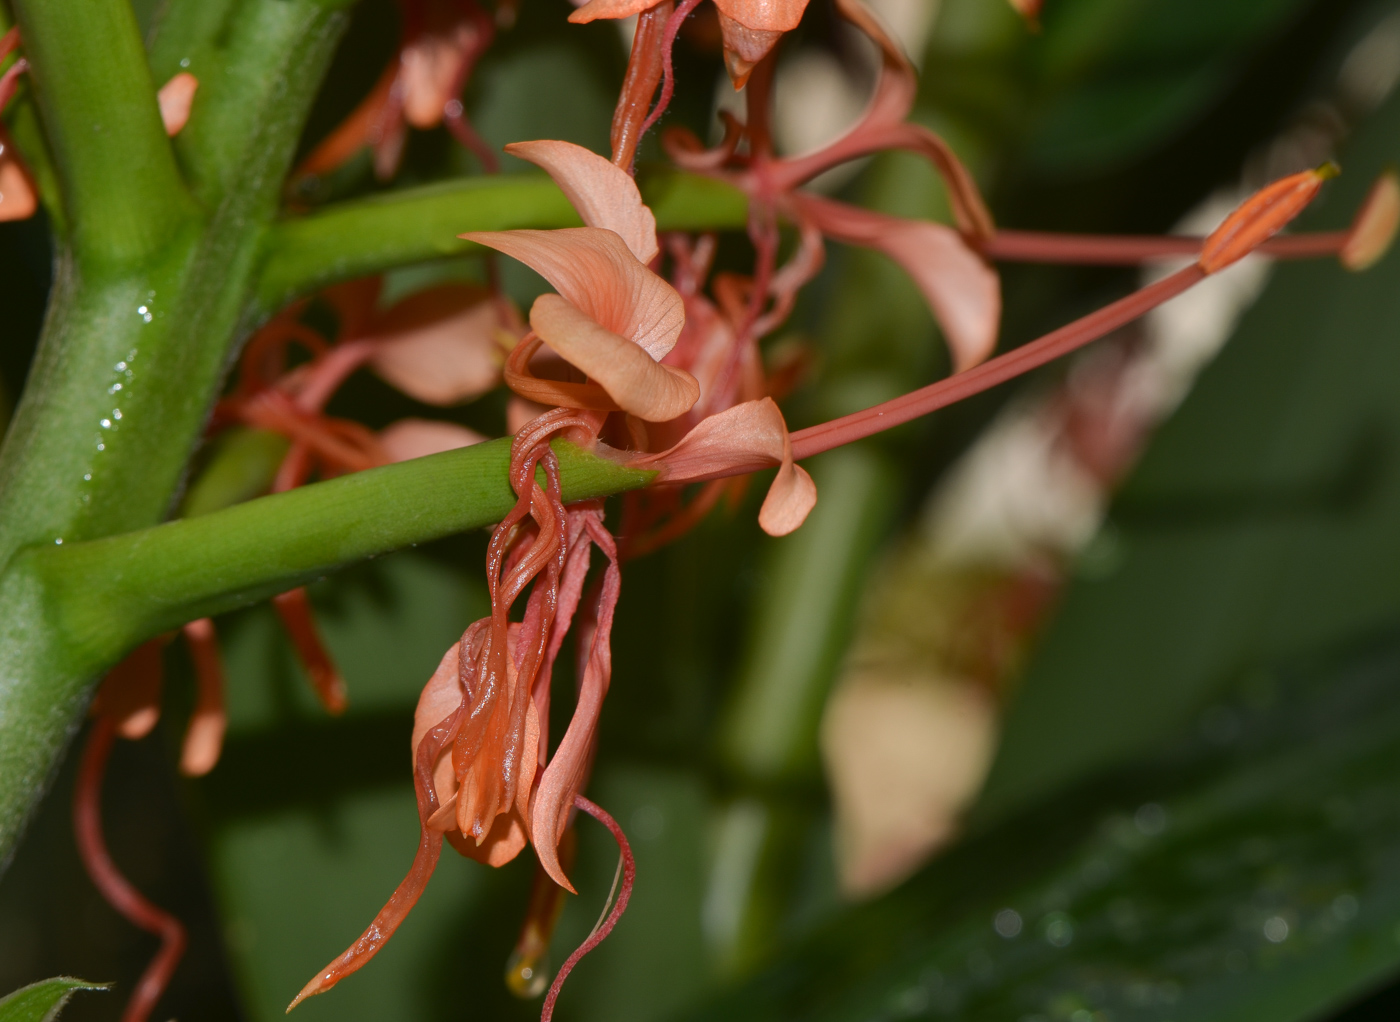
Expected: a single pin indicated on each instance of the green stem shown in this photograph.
(121, 187)
(76, 608)
(355, 239)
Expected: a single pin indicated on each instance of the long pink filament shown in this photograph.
(629, 877)
(120, 894)
(1129, 250)
(900, 410)
(668, 77)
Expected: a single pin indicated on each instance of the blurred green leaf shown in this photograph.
(1260, 524)
(1252, 872)
(42, 1001)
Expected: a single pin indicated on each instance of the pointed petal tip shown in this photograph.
(1373, 231)
(317, 985)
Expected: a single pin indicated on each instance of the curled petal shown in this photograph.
(1261, 216)
(596, 10)
(745, 438)
(596, 271)
(418, 438)
(647, 389)
(961, 289)
(603, 193)
(176, 97)
(1373, 230)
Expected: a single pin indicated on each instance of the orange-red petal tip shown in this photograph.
(318, 983)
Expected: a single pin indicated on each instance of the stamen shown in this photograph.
(115, 888)
(600, 932)
(824, 437)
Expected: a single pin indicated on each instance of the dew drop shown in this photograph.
(106, 423)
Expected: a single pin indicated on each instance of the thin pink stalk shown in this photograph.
(629, 876)
(668, 77)
(900, 410)
(453, 112)
(1129, 250)
(116, 888)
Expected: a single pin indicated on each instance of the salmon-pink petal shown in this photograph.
(18, 199)
(418, 438)
(596, 271)
(961, 289)
(567, 772)
(204, 737)
(595, 10)
(429, 66)
(603, 193)
(439, 698)
(647, 389)
(764, 15)
(440, 346)
(791, 497)
(745, 438)
(175, 98)
(744, 47)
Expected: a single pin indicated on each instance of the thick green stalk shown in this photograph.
(72, 610)
(358, 238)
(123, 192)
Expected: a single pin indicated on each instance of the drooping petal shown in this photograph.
(595, 10)
(647, 389)
(604, 194)
(429, 66)
(745, 438)
(18, 198)
(1373, 229)
(596, 271)
(567, 772)
(961, 289)
(204, 737)
(176, 97)
(418, 438)
(440, 345)
(1261, 216)
(751, 28)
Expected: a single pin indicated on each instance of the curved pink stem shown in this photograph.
(668, 77)
(629, 876)
(117, 889)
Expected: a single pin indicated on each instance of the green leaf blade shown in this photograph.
(42, 1001)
